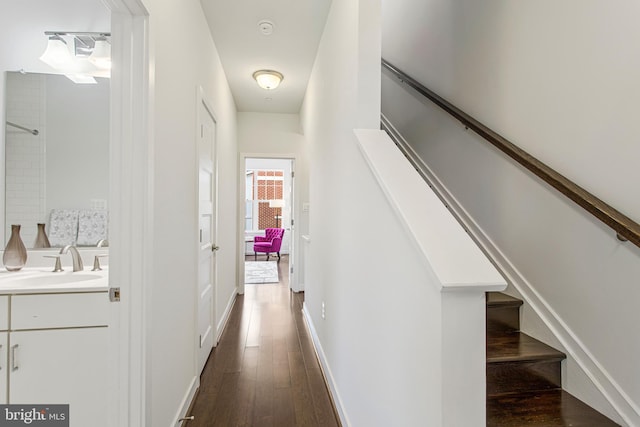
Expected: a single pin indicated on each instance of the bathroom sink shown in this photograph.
(50, 279)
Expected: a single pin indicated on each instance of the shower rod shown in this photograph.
(31, 131)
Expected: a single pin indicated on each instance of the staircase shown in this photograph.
(524, 376)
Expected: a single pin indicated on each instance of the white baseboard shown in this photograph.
(626, 409)
(344, 420)
(225, 317)
(186, 401)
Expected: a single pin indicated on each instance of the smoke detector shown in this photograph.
(266, 27)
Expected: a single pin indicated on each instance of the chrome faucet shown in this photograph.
(75, 255)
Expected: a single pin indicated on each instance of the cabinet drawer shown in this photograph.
(46, 311)
(4, 313)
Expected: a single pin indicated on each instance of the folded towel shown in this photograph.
(93, 225)
(63, 227)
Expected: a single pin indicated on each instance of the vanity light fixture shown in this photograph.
(57, 54)
(101, 55)
(89, 56)
(268, 79)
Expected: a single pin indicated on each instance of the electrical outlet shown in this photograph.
(323, 312)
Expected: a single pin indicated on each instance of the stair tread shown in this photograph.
(551, 408)
(516, 346)
(499, 299)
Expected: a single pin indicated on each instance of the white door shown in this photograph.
(207, 224)
(292, 259)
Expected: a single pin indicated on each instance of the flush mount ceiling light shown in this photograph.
(268, 79)
(89, 55)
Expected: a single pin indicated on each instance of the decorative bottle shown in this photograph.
(15, 254)
(42, 241)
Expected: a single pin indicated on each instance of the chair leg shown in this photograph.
(255, 256)
(278, 256)
(267, 256)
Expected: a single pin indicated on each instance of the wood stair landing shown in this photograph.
(524, 376)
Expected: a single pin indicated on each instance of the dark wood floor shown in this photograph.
(264, 371)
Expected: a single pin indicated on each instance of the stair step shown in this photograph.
(519, 347)
(498, 299)
(524, 376)
(510, 378)
(503, 312)
(518, 363)
(552, 408)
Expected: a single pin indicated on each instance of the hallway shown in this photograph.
(264, 371)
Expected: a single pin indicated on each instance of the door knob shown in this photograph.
(214, 248)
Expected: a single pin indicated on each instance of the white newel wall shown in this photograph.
(380, 291)
(459, 270)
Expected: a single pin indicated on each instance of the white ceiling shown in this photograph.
(243, 49)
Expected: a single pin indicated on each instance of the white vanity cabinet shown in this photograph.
(4, 343)
(58, 349)
(4, 336)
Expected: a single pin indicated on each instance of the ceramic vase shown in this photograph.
(15, 254)
(42, 241)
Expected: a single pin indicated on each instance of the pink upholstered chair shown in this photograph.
(269, 243)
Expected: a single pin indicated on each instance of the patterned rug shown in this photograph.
(261, 272)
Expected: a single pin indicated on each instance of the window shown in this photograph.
(264, 192)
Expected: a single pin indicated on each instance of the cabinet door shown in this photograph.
(3, 367)
(4, 312)
(64, 366)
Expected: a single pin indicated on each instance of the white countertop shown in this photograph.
(43, 280)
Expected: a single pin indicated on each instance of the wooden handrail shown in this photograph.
(625, 227)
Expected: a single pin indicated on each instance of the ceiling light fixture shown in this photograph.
(268, 79)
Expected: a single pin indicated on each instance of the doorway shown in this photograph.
(268, 203)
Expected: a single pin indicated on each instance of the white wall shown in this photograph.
(559, 80)
(184, 57)
(380, 336)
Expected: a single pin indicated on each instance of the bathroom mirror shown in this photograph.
(56, 154)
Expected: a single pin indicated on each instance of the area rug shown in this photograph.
(261, 272)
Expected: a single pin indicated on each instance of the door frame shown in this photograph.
(241, 245)
(201, 99)
(130, 214)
